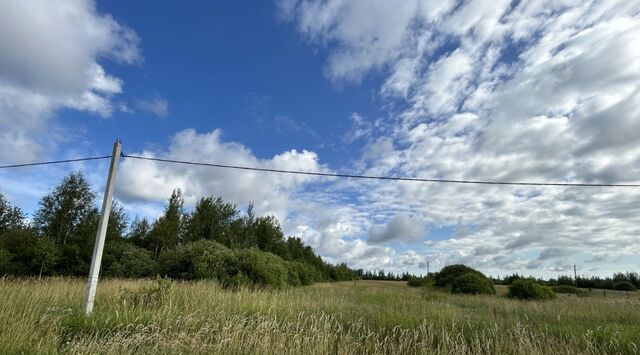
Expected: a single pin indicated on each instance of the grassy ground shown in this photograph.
(342, 318)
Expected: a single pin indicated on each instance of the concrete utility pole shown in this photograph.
(427, 268)
(575, 275)
(94, 272)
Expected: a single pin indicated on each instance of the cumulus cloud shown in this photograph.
(400, 228)
(49, 56)
(536, 91)
(153, 181)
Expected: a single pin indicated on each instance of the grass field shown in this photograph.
(376, 317)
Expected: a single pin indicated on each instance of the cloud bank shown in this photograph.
(535, 91)
(49, 53)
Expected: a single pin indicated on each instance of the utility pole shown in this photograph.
(94, 272)
(427, 268)
(575, 275)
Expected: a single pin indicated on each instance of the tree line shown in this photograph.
(623, 281)
(213, 241)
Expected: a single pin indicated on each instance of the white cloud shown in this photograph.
(400, 228)
(153, 181)
(537, 91)
(158, 107)
(48, 60)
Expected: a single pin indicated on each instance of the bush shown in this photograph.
(530, 290)
(446, 276)
(263, 269)
(203, 259)
(567, 289)
(122, 259)
(624, 286)
(463, 279)
(420, 281)
(5, 262)
(472, 283)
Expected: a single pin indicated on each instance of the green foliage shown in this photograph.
(5, 262)
(62, 210)
(472, 283)
(263, 269)
(624, 285)
(269, 236)
(140, 229)
(167, 230)
(423, 281)
(212, 242)
(530, 290)
(10, 217)
(20, 245)
(460, 278)
(203, 259)
(123, 259)
(567, 289)
(449, 273)
(211, 219)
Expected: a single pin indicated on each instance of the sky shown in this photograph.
(543, 91)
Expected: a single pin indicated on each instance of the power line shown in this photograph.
(370, 177)
(53, 162)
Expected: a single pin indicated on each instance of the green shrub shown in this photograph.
(5, 262)
(420, 281)
(123, 259)
(530, 290)
(567, 289)
(624, 286)
(203, 259)
(463, 279)
(262, 268)
(445, 277)
(472, 283)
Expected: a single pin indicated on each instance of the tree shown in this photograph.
(62, 210)
(269, 236)
(11, 217)
(211, 219)
(140, 230)
(20, 245)
(45, 256)
(167, 230)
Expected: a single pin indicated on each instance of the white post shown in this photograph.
(94, 272)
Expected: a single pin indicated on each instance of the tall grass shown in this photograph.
(343, 318)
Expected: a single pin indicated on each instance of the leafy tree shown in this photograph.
(20, 245)
(62, 210)
(122, 259)
(45, 256)
(140, 230)
(11, 217)
(211, 219)
(5, 262)
(269, 236)
(167, 230)
(203, 259)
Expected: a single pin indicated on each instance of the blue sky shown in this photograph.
(523, 91)
(230, 66)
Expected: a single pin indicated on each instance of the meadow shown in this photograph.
(355, 317)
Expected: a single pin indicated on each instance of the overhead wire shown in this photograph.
(373, 177)
(53, 162)
(324, 174)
